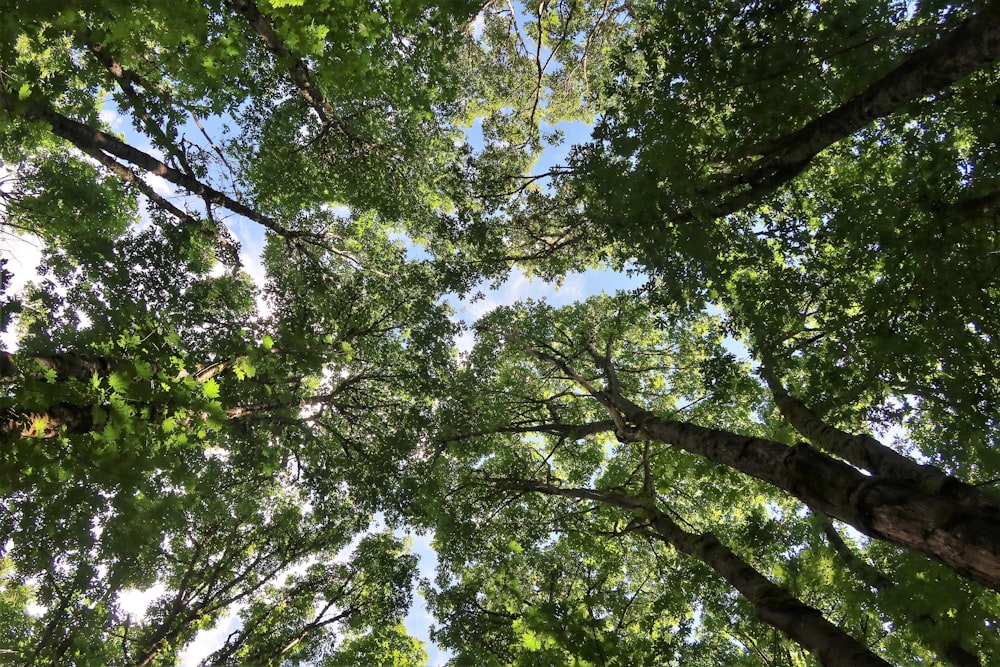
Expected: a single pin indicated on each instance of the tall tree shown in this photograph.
(607, 483)
(161, 428)
(577, 365)
(811, 264)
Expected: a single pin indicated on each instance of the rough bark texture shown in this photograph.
(867, 453)
(214, 232)
(772, 604)
(966, 539)
(972, 46)
(66, 366)
(927, 627)
(46, 422)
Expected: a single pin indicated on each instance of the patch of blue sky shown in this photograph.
(572, 134)
(418, 621)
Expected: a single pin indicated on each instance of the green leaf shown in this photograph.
(118, 382)
(210, 388)
(143, 369)
(244, 368)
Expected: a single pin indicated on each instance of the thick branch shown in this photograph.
(90, 140)
(216, 233)
(126, 81)
(64, 365)
(772, 604)
(22, 424)
(298, 70)
(972, 46)
(966, 539)
(867, 453)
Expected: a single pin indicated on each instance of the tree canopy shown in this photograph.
(780, 449)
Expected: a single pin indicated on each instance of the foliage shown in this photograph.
(780, 451)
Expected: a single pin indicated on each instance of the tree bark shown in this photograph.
(772, 604)
(90, 140)
(18, 424)
(66, 365)
(867, 453)
(927, 627)
(966, 539)
(298, 71)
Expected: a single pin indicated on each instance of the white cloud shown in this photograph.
(112, 119)
(339, 210)
(516, 288)
(519, 287)
(135, 602)
(465, 341)
(208, 641)
(573, 288)
(478, 25)
(159, 184)
(252, 245)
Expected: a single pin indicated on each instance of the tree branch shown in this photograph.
(772, 604)
(972, 46)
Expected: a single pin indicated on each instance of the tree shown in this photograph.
(812, 266)
(182, 422)
(804, 476)
(576, 376)
(835, 330)
(140, 424)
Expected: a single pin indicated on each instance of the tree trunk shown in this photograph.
(972, 46)
(66, 366)
(966, 539)
(865, 452)
(772, 604)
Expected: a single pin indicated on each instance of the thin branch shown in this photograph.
(130, 177)
(298, 71)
